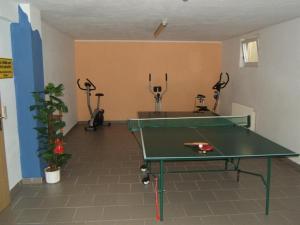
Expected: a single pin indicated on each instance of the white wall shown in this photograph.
(8, 14)
(34, 16)
(59, 68)
(58, 53)
(272, 88)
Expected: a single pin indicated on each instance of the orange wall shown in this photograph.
(120, 70)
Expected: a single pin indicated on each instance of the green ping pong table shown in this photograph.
(163, 134)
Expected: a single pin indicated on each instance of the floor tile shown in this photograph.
(203, 196)
(141, 188)
(171, 210)
(96, 189)
(108, 179)
(188, 221)
(87, 179)
(117, 212)
(29, 202)
(186, 186)
(244, 219)
(88, 214)
(130, 179)
(275, 204)
(229, 184)
(81, 200)
(216, 220)
(60, 215)
(208, 185)
(130, 222)
(178, 197)
(224, 195)
(291, 203)
(250, 194)
(222, 208)
(54, 202)
(9, 216)
(119, 188)
(247, 206)
(33, 216)
(142, 212)
(190, 176)
(197, 209)
(273, 219)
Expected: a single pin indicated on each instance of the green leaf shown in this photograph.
(47, 103)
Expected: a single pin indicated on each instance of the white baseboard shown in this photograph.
(33, 180)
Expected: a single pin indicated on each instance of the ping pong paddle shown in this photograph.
(196, 144)
(203, 146)
(206, 148)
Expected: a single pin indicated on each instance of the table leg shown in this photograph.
(237, 168)
(268, 184)
(226, 164)
(161, 190)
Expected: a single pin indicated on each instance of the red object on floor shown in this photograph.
(156, 200)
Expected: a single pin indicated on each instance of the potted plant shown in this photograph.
(49, 109)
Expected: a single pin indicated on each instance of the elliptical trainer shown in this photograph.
(97, 116)
(157, 92)
(201, 107)
(218, 87)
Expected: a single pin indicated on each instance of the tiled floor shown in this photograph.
(101, 186)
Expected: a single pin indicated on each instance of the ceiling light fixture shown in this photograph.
(160, 28)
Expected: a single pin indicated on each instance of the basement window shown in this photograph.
(249, 50)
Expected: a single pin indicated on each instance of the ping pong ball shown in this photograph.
(200, 145)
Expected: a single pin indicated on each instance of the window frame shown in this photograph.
(244, 52)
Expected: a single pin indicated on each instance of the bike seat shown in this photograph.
(99, 94)
(200, 96)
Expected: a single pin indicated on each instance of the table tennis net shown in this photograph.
(188, 122)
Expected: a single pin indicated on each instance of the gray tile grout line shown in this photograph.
(209, 208)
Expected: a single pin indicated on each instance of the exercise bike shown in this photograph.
(97, 116)
(200, 107)
(157, 92)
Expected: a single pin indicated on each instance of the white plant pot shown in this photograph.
(52, 177)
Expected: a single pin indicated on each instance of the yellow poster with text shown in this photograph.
(6, 68)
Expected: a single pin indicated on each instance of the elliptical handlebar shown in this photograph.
(88, 84)
(166, 87)
(158, 92)
(150, 85)
(217, 87)
(221, 84)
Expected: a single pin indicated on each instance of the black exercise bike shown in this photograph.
(96, 116)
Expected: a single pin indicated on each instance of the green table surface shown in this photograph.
(229, 141)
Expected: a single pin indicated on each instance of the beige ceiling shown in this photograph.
(193, 20)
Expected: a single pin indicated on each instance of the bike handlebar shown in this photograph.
(88, 83)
